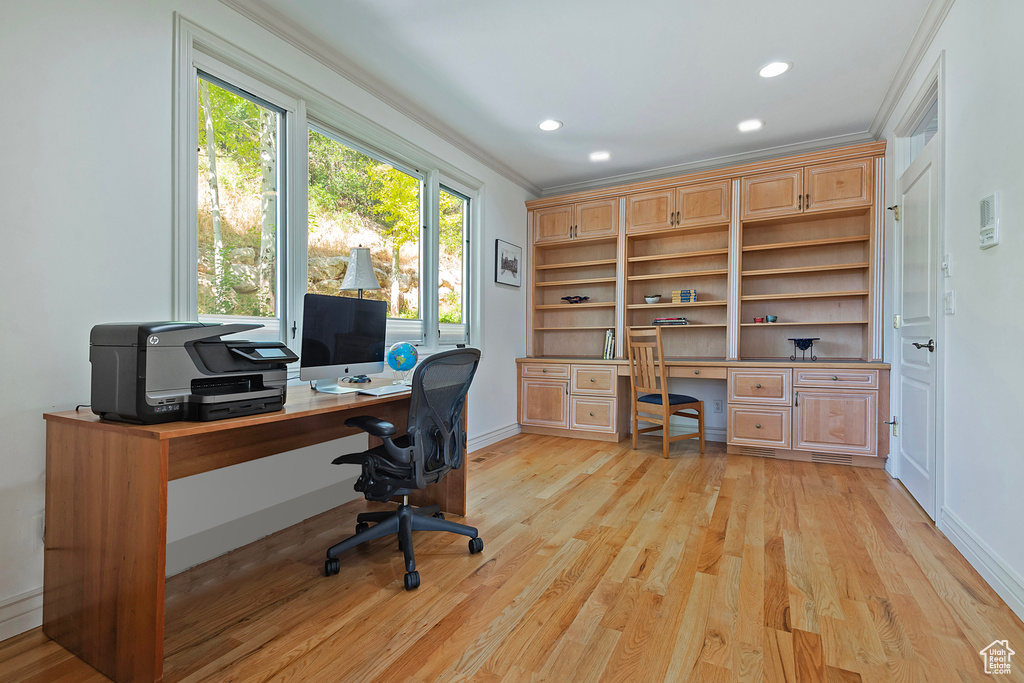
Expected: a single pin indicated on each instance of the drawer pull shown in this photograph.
(696, 372)
(544, 370)
(592, 379)
(834, 378)
(591, 415)
(758, 426)
(758, 386)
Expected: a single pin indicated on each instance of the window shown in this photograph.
(275, 183)
(238, 215)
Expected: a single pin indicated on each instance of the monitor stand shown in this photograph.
(331, 386)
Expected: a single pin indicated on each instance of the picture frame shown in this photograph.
(508, 263)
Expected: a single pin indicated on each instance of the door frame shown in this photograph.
(932, 89)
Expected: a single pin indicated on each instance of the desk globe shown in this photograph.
(402, 357)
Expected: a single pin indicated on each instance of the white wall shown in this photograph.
(87, 238)
(984, 373)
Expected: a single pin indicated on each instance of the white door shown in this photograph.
(917, 304)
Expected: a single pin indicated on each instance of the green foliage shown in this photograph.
(236, 130)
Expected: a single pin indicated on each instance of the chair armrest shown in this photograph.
(372, 425)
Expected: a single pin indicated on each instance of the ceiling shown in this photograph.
(658, 84)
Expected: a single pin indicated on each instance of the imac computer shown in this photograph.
(341, 337)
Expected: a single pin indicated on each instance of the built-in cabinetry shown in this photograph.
(797, 238)
(586, 399)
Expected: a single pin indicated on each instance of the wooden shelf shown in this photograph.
(680, 255)
(671, 305)
(807, 243)
(575, 328)
(578, 264)
(805, 269)
(571, 283)
(585, 304)
(803, 295)
(654, 234)
(793, 324)
(670, 276)
(577, 240)
(691, 325)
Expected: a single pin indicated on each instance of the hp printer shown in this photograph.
(166, 371)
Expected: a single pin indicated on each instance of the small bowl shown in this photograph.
(652, 298)
(772, 318)
(758, 320)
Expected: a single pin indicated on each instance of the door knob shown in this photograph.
(930, 345)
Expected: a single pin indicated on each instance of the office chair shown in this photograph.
(432, 446)
(648, 380)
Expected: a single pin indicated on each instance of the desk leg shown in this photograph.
(106, 534)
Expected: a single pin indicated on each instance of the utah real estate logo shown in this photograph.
(997, 657)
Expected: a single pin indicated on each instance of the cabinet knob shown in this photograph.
(758, 386)
(592, 379)
(591, 415)
(758, 426)
(696, 372)
(834, 378)
(544, 370)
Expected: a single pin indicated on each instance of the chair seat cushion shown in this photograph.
(673, 399)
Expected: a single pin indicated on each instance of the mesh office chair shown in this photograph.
(432, 446)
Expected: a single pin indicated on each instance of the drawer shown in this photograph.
(593, 379)
(696, 372)
(765, 385)
(593, 414)
(548, 370)
(847, 379)
(755, 426)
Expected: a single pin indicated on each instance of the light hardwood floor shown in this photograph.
(600, 564)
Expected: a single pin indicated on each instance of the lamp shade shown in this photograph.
(359, 274)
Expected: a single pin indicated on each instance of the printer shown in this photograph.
(165, 371)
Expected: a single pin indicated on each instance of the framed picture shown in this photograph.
(508, 263)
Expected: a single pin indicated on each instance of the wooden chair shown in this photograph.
(648, 379)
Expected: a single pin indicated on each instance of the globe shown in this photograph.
(402, 357)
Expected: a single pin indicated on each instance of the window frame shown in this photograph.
(197, 49)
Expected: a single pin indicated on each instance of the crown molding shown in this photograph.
(287, 30)
(919, 44)
(766, 154)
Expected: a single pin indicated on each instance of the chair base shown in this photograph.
(661, 423)
(402, 521)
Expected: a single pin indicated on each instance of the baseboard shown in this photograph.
(1007, 583)
(206, 545)
(492, 437)
(21, 613)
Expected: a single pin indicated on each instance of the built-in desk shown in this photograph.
(106, 513)
(822, 411)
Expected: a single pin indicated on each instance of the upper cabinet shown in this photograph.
(691, 205)
(582, 220)
(823, 187)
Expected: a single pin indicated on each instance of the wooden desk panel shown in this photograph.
(106, 513)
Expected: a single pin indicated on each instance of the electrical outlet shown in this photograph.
(718, 406)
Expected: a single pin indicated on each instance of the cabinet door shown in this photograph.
(597, 219)
(773, 194)
(650, 211)
(703, 204)
(837, 186)
(553, 224)
(836, 421)
(544, 403)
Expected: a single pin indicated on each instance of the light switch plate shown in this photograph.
(949, 302)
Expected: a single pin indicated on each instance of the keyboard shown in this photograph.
(385, 390)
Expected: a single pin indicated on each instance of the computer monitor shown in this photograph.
(341, 337)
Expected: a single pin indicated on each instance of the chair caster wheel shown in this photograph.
(439, 515)
(361, 527)
(412, 580)
(476, 545)
(332, 566)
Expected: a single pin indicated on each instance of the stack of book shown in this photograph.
(671, 321)
(609, 344)
(684, 296)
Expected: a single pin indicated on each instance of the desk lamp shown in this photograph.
(359, 274)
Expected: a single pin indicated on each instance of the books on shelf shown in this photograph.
(684, 296)
(609, 344)
(671, 321)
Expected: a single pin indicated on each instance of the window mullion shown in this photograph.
(430, 276)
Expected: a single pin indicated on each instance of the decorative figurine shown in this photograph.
(575, 299)
(803, 344)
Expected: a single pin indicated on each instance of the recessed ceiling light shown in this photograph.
(752, 124)
(549, 125)
(600, 156)
(774, 69)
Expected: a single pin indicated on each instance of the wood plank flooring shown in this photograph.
(600, 564)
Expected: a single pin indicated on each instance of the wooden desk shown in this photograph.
(106, 513)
